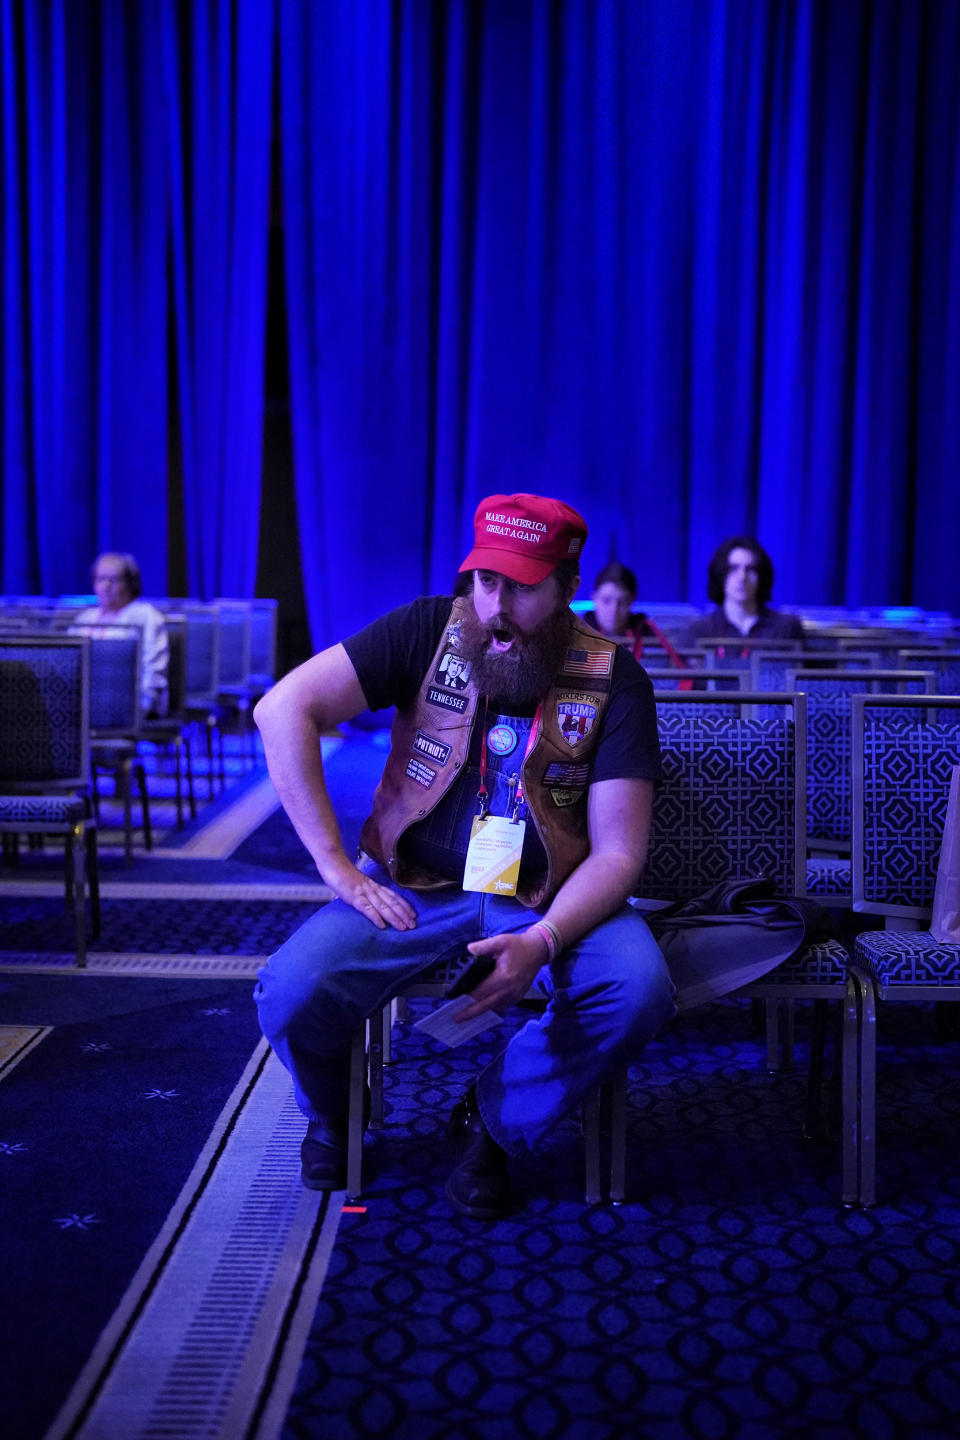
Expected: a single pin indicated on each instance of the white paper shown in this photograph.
(440, 1024)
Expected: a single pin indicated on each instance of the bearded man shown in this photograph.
(512, 819)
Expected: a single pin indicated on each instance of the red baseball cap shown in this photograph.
(524, 536)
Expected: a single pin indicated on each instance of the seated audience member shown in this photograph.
(614, 591)
(524, 753)
(116, 583)
(740, 583)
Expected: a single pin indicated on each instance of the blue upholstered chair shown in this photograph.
(828, 742)
(903, 754)
(171, 733)
(202, 683)
(45, 758)
(115, 721)
(732, 806)
(234, 695)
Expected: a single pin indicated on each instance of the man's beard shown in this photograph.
(523, 674)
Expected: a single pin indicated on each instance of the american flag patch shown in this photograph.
(587, 662)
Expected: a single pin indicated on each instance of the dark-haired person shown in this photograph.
(117, 585)
(512, 819)
(740, 583)
(614, 592)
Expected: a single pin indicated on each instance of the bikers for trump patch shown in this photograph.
(576, 716)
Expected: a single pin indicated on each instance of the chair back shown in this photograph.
(115, 703)
(234, 618)
(903, 756)
(263, 643)
(828, 692)
(723, 652)
(176, 626)
(669, 677)
(731, 802)
(769, 668)
(202, 653)
(945, 665)
(44, 713)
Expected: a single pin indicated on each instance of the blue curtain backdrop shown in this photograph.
(133, 231)
(692, 264)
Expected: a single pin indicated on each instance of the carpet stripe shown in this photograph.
(16, 1042)
(207, 1341)
(201, 967)
(221, 836)
(174, 890)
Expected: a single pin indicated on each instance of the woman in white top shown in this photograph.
(116, 583)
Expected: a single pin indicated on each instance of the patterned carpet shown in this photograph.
(732, 1296)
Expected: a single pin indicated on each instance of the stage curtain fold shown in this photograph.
(108, 112)
(689, 264)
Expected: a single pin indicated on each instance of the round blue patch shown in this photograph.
(502, 739)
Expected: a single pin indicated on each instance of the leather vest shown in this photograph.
(430, 743)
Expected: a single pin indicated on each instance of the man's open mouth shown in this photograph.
(501, 640)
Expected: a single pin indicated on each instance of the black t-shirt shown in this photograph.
(391, 656)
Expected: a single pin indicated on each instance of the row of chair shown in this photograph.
(732, 805)
(222, 658)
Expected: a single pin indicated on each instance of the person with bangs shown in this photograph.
(740, 584)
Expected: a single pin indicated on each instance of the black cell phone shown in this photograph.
(475, 969)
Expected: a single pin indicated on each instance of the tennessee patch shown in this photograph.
(421, 773)
(576, 717)
(446, 699)
(435, 750)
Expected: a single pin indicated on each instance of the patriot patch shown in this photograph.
(576, 717)
(588, 662)
(435, 750)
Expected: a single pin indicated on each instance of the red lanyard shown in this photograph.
(482, 793)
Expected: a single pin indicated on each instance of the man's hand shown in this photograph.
(517, 959)
(382, 906)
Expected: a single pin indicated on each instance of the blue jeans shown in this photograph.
(607, 995)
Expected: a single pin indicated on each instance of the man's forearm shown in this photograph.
(295, 762)
(592, 893)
